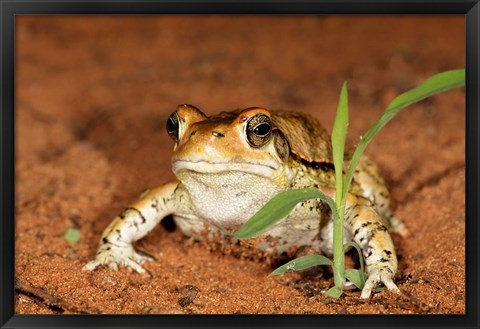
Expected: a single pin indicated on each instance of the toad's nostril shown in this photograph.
(217, 134)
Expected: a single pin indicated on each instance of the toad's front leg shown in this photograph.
(368, 230)
(133, 224)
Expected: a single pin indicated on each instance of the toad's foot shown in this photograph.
(112, 256)
(396, 225)
(376, 276)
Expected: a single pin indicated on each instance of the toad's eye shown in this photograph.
(173, 126)
(258, 130)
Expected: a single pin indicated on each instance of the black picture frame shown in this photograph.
(10, 9)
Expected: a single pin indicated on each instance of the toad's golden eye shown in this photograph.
(258, 130)
(173, 126)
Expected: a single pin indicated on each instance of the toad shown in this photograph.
(229, 165)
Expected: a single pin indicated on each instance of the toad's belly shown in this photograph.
(302, 227)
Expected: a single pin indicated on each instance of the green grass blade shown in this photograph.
(435, 84)
(339, 136)
(356, 277)
(277, 208)
(302, 263)
(360, 254)
(334, 292)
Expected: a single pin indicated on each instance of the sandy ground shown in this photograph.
(92, 98)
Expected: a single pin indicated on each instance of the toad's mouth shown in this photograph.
(206, 167)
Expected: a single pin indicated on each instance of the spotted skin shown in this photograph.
(368, 230)
(131, 225)
(373, 187)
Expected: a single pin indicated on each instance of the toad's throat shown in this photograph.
(264, 170)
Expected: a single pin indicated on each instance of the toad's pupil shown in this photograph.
(262, 129)
(170, 126)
